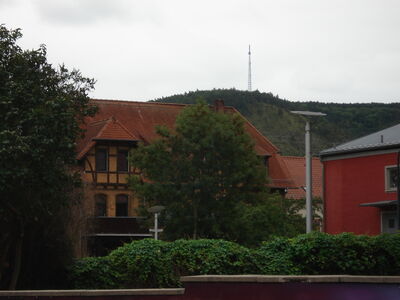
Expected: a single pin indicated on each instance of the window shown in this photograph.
(101, 159)
(391, 178)
(100, 209)
(121, 207)
(122, 161)
(389, 222)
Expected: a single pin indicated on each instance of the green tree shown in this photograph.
(41, 108)
(208, 176)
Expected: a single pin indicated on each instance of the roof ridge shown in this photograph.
(144, 103)
(150, 102)
(102, 129)
(99, 121)
(297, 157)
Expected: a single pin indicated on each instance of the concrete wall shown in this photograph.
(243, 287)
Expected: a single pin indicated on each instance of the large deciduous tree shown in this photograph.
(205, 172)
(41, 108)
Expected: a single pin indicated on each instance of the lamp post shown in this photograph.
(308, 165)
(156, 211)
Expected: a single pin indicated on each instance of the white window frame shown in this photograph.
(387, 179)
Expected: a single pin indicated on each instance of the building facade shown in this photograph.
(360, 184)
(116, 129)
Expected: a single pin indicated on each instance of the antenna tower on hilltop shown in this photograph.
(249, 75)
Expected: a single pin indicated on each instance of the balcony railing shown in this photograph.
(118, 226)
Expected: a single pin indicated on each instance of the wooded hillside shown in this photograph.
(271, 115)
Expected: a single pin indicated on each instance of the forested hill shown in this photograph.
(271, 115)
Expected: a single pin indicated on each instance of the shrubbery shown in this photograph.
(143, 264)
(149, 263)
(93, 273)
(199, 257)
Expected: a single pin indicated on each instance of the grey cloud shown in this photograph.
(81, 12)
(8, 3)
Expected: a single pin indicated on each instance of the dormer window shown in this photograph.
(101, 160)
(122, 161)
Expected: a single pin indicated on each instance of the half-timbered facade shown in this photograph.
(103, 156)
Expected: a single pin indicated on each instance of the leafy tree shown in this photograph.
(41, 108)
(209, 178)
(200, 172)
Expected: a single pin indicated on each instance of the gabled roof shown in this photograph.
(386, 138)
(297, 168)
(108, 129)
(114, 130)
(137, 120)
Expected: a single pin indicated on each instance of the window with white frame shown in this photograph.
(391, 178)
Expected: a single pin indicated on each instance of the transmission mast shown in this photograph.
(249, 75)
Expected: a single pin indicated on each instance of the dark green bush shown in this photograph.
(143, 264)
(198, 257)
(387, 254)
(93, 273)
(149, 263)
(273, 258)
(320, 253)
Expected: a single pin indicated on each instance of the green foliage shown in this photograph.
(345, 253)
(93, 273)
(41, 108)
(150, 263)
(203, 173)
(273, 258)
(320, 253)
(271, 115)
(198, 257)
(276, 216)
(143, 264)
(387, 254)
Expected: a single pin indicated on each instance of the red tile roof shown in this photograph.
(108, 129)
(137, 121)
(296, 167)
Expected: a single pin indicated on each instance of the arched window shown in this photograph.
(100, 209)
(121, 205)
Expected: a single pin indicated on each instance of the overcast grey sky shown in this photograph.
(319, 50)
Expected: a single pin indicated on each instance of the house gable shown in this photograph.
(136, 121)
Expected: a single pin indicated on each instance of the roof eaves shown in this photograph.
(333, 151)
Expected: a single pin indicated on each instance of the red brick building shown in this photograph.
(360, 184)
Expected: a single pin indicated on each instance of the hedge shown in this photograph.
(149, 263)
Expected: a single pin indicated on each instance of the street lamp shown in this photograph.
(308, 165)
(156, 211)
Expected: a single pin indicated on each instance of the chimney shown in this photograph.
(219, 105)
